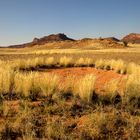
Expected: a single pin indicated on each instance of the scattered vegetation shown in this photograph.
(85, 87)
(118, 66)
(46, 106)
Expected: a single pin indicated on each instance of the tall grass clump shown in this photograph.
(65, 61)
(50, 61)
(6, 80)
(24, 64)
(107, 64)
(89, 62)
(85, 87)
(132, 89)
(29, 63)
(118, 66)
(133, 68)
(49, 85)
(39, 61)
(69, 84)
(26, 85)
(80, 62)
(99, 64)
(112, 94)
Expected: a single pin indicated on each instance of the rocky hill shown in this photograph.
(132, 38)
(44, 40)
(51, 38)
(112, 39)
(62, 41)
(85, 43)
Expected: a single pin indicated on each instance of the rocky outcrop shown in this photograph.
(44, 40)
(112, 39)
(51, 38)
(132, 38)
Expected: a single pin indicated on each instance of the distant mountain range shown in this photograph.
(44, 40)
(131, 38)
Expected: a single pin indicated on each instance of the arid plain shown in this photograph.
(56, 87)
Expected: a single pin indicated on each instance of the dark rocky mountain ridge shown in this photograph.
(44, 40)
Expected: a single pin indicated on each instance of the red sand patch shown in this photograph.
(103, 76)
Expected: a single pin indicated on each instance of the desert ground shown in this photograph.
(69, 90)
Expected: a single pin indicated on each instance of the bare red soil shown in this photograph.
(103, 76)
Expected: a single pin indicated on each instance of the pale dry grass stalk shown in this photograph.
(6, 80)
(50, 61)
(68, 85)
(112, 90)
(25, 83)
(100, 63)
(118, 66)
(80, 62)
(65, 61)
(89, 62)
(132, 87)
(85, 87)
(133, 68)
(49, 84)
(111, 87)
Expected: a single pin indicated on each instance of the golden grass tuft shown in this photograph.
(49, 84)
(100, 63)
(112, 86)
(85, 87)
(65, 61)
(31, 84)
(80, 62)
(6, 80)
(24, 83)
(112, 91)
(132, 87)
(50, 61)
(119, 66)
(133, 68)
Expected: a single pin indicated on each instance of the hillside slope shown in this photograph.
(62, 41)
(44, 40)
(132, 38)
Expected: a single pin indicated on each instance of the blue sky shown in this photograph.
(22, 20)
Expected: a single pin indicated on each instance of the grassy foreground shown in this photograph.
(42, 107)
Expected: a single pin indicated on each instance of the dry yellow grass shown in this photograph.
(100, 63)
(49, 61)
(24, 84)
(112, 90)
(52, 118)
(97, 123)
(32, 83)
(49, 84)
(80, 62)
(133, 68)
(6, 80)
(65, 61)
(85, 87)
(132, 88)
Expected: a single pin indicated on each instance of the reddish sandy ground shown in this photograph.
(103, 76)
